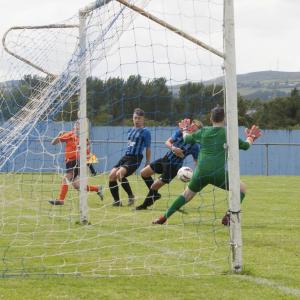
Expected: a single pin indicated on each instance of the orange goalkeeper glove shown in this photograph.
(184, 124)
(253, 133)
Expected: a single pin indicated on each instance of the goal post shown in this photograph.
(232, 136)
(83, 120)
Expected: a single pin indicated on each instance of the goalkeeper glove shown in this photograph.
(184, 124)
(252, 133)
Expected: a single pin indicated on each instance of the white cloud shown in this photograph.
(266, 35)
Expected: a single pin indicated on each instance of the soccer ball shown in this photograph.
(185, 174)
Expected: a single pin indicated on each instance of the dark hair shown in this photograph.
(139, 112)
(217, 114)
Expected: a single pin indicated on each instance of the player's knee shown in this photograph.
(119, 176)
(121, 173)
(68, 178)
(188, 194)
(146, 172)
(112, 176)
(243, 187)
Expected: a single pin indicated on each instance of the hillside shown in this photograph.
(265, 84)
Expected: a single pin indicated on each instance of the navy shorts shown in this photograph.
(164, 167)
(130, 162)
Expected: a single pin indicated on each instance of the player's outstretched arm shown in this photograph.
(56, 140)
(177, 151)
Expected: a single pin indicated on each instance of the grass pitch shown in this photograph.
(45, 255)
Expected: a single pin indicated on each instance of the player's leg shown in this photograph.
(95, 188)
(181, 200)
(64, 187)
(128, 167)
(152, 195)
(75, 179)
(223, 183)
(122, 173)
(92, 169)
(155, 167)
(196, 184)
(242, 190)
(146, 174)
(113, 186)
(62, 193)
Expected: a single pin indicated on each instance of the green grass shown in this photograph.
(46, 255)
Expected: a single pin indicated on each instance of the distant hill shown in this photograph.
(263, 85)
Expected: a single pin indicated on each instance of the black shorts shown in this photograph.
(74, 167)
(129, 162)
(164, 167)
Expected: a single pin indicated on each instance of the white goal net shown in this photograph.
(131, 62)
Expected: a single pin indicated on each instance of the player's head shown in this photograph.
(217, 114)
(195, 125)
(138, 118)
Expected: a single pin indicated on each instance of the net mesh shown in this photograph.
(131, 62)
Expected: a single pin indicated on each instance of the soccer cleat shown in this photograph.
(161, 220)
(130, 200)
(148, 201)
(56, 202)
(226, 219)
(156, 196)
(117, 203)
(100, 192)
(94, 173)
(141, 207)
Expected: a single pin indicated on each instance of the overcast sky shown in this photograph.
(267, 31)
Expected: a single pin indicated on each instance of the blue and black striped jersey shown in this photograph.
(188, 149)
(138, 140)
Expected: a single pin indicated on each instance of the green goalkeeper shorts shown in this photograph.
(201, 178)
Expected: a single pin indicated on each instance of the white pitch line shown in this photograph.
(267, 282)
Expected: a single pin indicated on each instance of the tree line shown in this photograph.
(112, 101)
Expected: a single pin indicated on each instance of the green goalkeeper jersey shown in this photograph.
(211, 160)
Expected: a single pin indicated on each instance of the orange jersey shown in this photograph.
(71, 140)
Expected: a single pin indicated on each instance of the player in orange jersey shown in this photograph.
(71, 140)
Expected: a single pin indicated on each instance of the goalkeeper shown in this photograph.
(168, 165)
(211, 162)
(71, 140)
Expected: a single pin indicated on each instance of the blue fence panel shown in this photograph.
(275, 153)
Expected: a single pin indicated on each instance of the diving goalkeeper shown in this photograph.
(211, 161)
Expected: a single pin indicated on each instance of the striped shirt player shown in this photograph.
(139, 139)
(187, 150)
(169, 164)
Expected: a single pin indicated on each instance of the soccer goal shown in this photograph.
(174, 59)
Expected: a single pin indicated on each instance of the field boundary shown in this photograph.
(270, 283)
